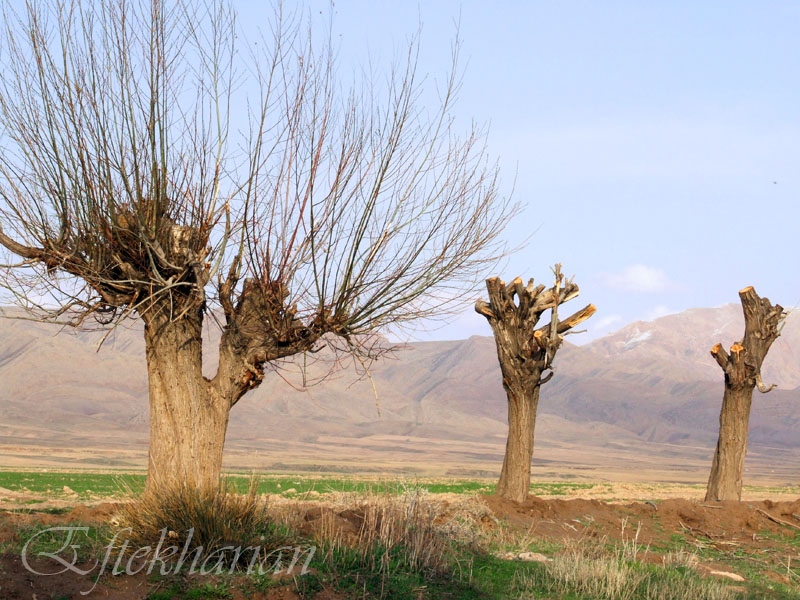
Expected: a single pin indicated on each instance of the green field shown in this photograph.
(88, 485)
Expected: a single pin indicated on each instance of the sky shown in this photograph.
(654, 146)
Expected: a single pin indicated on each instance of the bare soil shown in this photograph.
(764, 528)
(741, 522)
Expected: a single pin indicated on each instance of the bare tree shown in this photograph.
(742, 368)
(149, 171)
(526, 355)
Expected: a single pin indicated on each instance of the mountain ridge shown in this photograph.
(650, 387)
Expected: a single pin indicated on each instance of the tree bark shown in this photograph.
(187, 421)
(188, 412)
(742, 369)
(515, 476)
(725, 481)
(524, 353)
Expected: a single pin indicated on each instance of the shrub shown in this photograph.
(393, 533)
(213, 519)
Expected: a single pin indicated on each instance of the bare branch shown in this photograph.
(343, 208)
(20, 249)
(764, 388)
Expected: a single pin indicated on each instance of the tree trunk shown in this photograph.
(515, 477)
(742, 369)
(725, 481)
(187, 421)
(524, 353)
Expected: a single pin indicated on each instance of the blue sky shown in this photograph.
(655, 145)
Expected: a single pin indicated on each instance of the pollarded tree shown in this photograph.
(526, 355)
(742, 368)
(148, 172)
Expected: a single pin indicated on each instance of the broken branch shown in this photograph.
(722, 358)
(764, 388)
(571, 321)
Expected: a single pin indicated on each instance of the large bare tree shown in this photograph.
(742, 369)
(526, 356)
(151, 168)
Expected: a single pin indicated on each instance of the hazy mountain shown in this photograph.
(677, 346)
(648, 383)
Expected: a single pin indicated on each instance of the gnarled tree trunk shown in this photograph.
(525, 353)
(742, 368)
(188, 412)
(187, 422)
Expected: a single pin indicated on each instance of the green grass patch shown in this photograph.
(545, 488)
(753, 566)
(89, 542)
(88, 485)
(209, 591)
(83, 484)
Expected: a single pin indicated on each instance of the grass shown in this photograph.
(753, 567)
(560, 489)
(88, 485)
(89, 543)
(588, 568)
(210, 591)
(406, 546)
(613, 578)
(369, 572)
(83, 484)
(218, 522)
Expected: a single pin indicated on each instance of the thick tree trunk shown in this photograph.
(188, 421)
(742, 369)
(515, 477)
(189, 413)
(725, 481)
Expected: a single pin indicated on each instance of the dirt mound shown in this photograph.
(739, 521)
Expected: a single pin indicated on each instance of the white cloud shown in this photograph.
(657, 312)
(638, 278)
(606, 322)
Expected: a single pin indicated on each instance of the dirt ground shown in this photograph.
(741, 522)
(17, 583)
(717, 534)
(759, 528)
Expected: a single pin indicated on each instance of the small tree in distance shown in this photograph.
(742, 369)
(526, 355)
(146, 174)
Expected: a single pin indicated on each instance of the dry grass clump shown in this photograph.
(391, 532)
(688, 588)
(680, 558)
(465, 521)
(211, 519)
(586, 568)
(612, 579)
(572, 571)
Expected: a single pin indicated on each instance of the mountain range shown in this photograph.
(643, 400)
